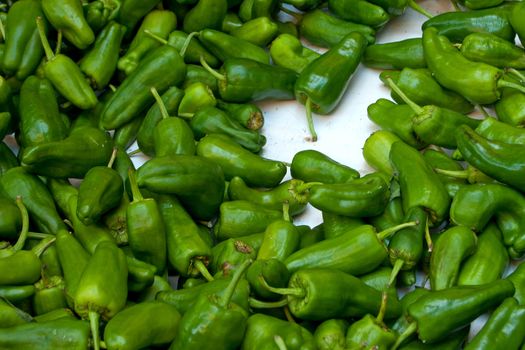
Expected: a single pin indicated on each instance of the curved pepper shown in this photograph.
(248, 114)
(287, 51)
(481, 4)
(258, 31)
(335, 225)
(196, 96)
(314, 166)
(322, 84)
(273, 271)
(205, 14)
(496, 201)
(199, 74)
(68, 17)
(376, 151)
(228, 255)
(74, 156)
(250, 9)
(396, 55)
(362, 197)
(320, 28)
(491, 49)
(495, 130)
(126, 329)
(360, 11)
(131, 11)
(237, 161)
(499, 160)
(197, 182)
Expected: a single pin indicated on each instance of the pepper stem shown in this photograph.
(258, 304)
(507, 84)
(395, 271)
(391, 230)
(228, 292)
(458, 174)
(103, 345)
(187, 43)
(405, 335)
(45, 43)
(288, 315)
(43, 245)
(280, 342)
(199, 265)
(25, 225)
(517, 74)
(306, 186)
(428, 239)
(310, 120)
(59, 43)
(212, 71)
(162, 106)
(39, 235)
(286, 211)
(415, 107)
(94, 319)
(137, 196)
(132, 153)
(283, 291)
(113, 157)
(2, 29)
(416, 7)
(382, 308)
(156, 37)
(112, 87)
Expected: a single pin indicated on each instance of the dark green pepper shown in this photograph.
(131, 11)
(99, 13)
(199, 74)
(331, 335)
(314, 166)
(396, 55)
(194, 48)
(205, 14)
(10, 219)
(248, 114)
(335, 225)
(259, 31)
(370, 332)
(228, 255)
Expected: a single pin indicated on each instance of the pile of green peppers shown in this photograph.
(197, 248)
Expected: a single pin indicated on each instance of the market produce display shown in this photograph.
(140, 208)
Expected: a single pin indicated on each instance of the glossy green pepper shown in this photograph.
(491, 49)
(23, 50)
(228, 255)
(15, 294)
(273, 271)
(362, 197)
(440, 160)
(199, 74)
(370, 332)
(396, 55)
(74, 156)
(287, 51)
(49, 295)
(320, 28)
(205, 14)
(250, 9)
(237, 161)
(259, 31)
(495, 130)
(225, 46)
(314, 166)
(65, 75)
(322, 84)
(194, 48)
(197, 182)
(331, 335)
(99, 13)
(99, 63)
(68, 17)
(102, 288)
(126, 135)
(196, 96)
(376, 151)
(510, 107)
(335, 225)
(517, 277)
(248, 115)
(161, 68)
(126, 329)
(158, 22)
(131, 11)
(360, 11)
(515, 21)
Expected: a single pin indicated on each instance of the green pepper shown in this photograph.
(231, 21)
(49, 295)
(314, 166)
(65, 74)
(39, 202)
(370, 332)
(335, 225)
(436, 314)
(205, 14)
(68, 17)
(376, 150)
(146, 232)
(491, 49)
(356, 252)
(145, 137)
(184, 299)
(237, 161)
(99, 63)
(287, 51)
(99, 13)
(429, 192)
(197, 182)
(55, 334)
(74, 156)
(481, 4)
(259, 31)
(15, 294)
(199, 74)
(40, 120)
(158, 22)
(474, 205)
(510, 107)
(214, 321)
(505, 328)
(322, 29)
(291, 192)
(517, 277)
(126, 329)
(55, 315)
(451, 248)
(396, 55)
(102, 288)
(422, 89)
(515, 20)
(10, 219)
(196, 96)
(187, 252)
(360, 11)
(309, 299)
(161, 68)
(160, 284)
(453, 342)
(240, 218)
(244, 80)
(228, 255)
(498, 160)
(362, 197)
(11, 315)
(248, 114)
(23, 50)
(322, 84)
(440, 160)
(131, 11)
(100, 191)
(495, 130)
(331, 335)
(225, 46)
(310, 236)
(489, 260)
(126, 135)
(456, 25)
(208, 120)
(273, 271)
(194, 48)
(304, 5)
(250, 9)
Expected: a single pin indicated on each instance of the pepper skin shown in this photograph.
(360, 11)
(331, 335)
(491, 49)
(205, 14)
(396, 55)
(287, 51)
(314, 166)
